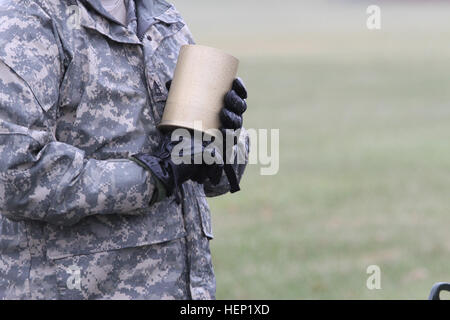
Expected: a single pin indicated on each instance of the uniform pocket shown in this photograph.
(205, 214)
(162, 56)
(156, 271)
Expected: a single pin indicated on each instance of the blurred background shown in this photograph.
(364, 119)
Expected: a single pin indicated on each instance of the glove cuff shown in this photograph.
(158, 169)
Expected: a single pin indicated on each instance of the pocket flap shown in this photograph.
(205, 214)
(33, 57)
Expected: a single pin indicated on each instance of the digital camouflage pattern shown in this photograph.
(79, 94)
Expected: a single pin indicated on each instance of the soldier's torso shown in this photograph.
(111, 99)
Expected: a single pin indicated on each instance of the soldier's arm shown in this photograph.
(40, 177)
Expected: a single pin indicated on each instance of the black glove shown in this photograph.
(231, 118)
(172, 175)
(235, 106)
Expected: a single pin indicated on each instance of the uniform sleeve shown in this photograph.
(40, 177)
(241, 151)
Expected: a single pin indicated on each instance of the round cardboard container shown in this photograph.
(203, 76)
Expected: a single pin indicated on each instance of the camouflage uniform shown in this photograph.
(76, 101)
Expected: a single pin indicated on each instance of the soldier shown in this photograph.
(88, 197)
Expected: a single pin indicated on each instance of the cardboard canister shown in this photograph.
(202, 77)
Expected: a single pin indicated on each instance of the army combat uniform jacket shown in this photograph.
(79, 94)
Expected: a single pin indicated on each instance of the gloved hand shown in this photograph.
(231, 119)
(172, 172)
(235, 106)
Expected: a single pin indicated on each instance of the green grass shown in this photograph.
(364, 179)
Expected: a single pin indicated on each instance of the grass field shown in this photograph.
(364, 119)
